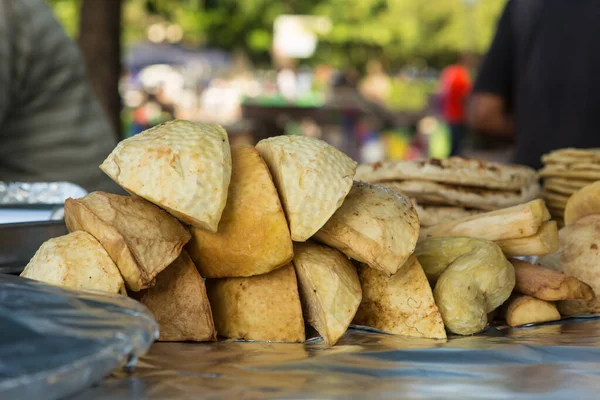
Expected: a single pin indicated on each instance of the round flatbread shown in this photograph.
(556, 212)
(434, 193)
(565, 190)
(575, 184)
(433, 215)
(562, 171)
(556, 197)
(584, 166)
(454, 170)
(556, 204)
(571, 155)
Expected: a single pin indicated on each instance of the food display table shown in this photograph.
(265, 258)
(550, 361)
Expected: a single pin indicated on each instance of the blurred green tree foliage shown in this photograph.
(395, 31)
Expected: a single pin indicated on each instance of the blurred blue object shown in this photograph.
(55, 342)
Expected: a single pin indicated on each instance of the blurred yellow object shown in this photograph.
(396, 146)
(439, 142)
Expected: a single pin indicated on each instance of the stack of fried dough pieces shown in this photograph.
(245, 242)
(454, 188)
(565, 172)
(255, 242)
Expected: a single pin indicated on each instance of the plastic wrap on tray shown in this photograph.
(55, 342)
(47, 193)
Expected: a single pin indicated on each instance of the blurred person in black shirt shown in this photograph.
(539, 82)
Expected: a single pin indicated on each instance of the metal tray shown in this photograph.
(19, 242)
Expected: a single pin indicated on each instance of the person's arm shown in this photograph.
(488, 113)
(489, 108)
(53, 128)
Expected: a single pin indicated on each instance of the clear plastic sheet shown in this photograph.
(552, 361)
(47, 193)
(55, 342)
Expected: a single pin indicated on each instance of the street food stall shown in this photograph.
(288, 270)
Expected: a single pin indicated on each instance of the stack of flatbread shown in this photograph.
(565, 172)
(454, 188)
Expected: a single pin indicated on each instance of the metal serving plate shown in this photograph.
(20, 241)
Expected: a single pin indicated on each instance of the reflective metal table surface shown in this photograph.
(553, 361)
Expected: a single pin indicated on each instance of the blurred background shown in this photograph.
(364, 75)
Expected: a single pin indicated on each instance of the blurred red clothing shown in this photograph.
(456, 86)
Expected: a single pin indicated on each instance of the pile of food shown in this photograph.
(454, 188)
(253, 242)
(565, 172)
(579, 247)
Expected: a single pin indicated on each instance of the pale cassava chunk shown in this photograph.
(253, 237)
(507, 223)
(583, 203)
(140, 238)
(402, 304)
(329, 289)
(375, 225)
(523, 310)
(179, 303)
(182, 166)
(77, 261)
(312, 178)
(263, 307)
(549, 285)
(545, 241)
